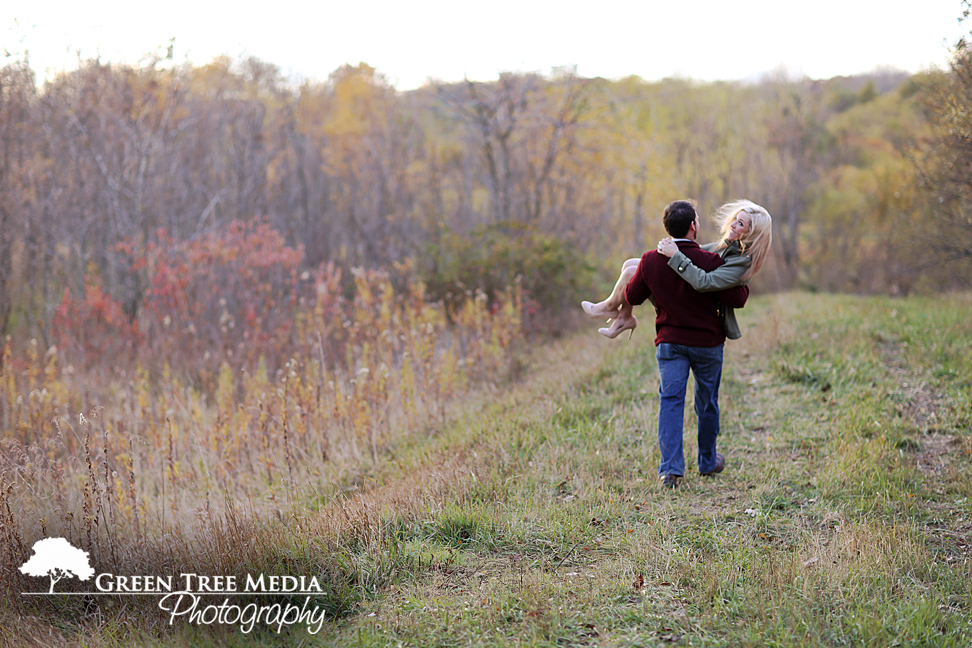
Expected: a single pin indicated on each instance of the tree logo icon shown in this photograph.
(56, 558)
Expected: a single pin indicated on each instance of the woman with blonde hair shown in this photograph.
(746, 233)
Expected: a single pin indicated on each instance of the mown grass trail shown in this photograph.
(843, 517)
(536, 519)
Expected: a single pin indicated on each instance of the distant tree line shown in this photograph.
(545, 180)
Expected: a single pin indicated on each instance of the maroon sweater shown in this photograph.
(682, 314)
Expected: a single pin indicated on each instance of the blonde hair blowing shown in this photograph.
(755, 243)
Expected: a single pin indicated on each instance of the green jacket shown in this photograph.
(728, 275)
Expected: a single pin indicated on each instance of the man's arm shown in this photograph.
(637, 291)
(734, 297)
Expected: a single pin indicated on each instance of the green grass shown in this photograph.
(844, 517)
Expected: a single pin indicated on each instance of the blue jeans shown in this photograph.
(674, 362)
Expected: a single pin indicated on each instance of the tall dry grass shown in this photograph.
(148, 472)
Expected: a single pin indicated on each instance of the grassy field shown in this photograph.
(534, 517)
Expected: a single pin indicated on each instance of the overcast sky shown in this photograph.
(412, 40)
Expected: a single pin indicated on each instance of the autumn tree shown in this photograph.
(523, 127)
(17, 95)
(860, 211)
(947, 172)
(370, 143)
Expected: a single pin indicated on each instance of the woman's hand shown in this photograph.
(667, 247)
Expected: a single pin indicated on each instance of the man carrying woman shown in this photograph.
(690, 328)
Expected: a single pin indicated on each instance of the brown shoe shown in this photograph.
(670, 482)
(719, 467)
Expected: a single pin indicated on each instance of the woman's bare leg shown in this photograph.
(628, 269)
(609, 307)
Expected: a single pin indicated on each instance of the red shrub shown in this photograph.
(94, 327)
(229, 295)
